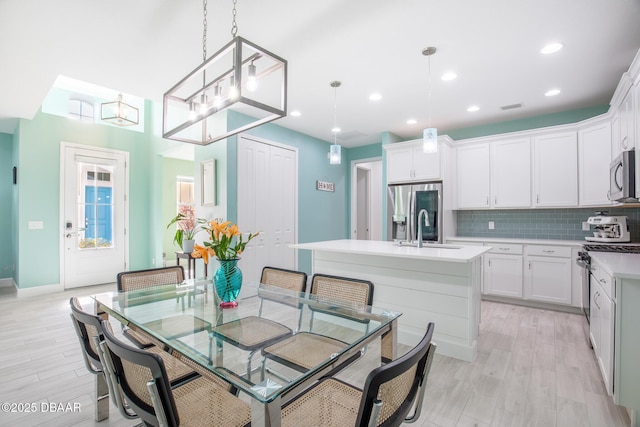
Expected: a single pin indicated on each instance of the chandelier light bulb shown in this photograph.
(252, 81)
(233, 90)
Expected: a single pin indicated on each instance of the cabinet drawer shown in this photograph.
(505, 248)
(606, 283)
(544, 250)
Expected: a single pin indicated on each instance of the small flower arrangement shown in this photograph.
(187, 225)
(226, 242)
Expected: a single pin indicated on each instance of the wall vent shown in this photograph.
(510, 107)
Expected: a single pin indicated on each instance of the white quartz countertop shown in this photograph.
(555, 242)
(624, 266)
(446, 253)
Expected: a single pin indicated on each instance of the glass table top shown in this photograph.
(187, 318)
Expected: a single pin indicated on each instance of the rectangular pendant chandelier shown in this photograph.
(119, 113)
(242, 78)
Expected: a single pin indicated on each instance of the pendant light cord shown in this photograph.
(335, 114)
(429, 89)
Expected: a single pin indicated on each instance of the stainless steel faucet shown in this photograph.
(426, 222)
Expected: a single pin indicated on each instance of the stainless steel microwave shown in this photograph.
(622, 178)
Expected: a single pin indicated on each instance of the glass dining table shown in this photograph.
(186, 317)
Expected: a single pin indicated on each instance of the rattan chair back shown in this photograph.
(139, 279)
(391, 390)
(87, 326)
(295, 281)
(134, 368)
(345, 290)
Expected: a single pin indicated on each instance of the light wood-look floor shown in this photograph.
(534, 368)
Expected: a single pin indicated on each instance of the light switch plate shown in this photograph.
(492, 225)
(585, 226)
(35, 225)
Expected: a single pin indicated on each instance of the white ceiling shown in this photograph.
(143, 47)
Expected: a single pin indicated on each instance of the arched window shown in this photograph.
(80, 109)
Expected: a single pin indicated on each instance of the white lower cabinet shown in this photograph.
(547, 274)
(601, 326)
(503, 271)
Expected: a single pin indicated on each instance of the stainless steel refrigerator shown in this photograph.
(404, 205)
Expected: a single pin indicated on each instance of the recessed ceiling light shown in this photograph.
(335, 130)
(449, 76)
(296, 113)
(473, 108)
(552, 92)
(375, 97)
(412, 121)
(551, 48)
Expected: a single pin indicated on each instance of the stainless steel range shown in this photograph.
(584, 261)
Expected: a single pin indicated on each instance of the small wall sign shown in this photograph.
(325, 186)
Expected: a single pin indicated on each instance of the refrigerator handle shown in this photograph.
(410, 216)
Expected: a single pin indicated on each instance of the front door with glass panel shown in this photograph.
(93, 215)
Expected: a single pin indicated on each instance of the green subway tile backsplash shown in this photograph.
(560, 224)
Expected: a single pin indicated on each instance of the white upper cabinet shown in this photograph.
(594, 157)
(627, 128)
(406, 162)
(474, 176)
(555, 170)
(511, 173)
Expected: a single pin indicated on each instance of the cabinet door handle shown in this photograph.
(624, 142)
(603, 281)
(529, 265)
(487, 200)
(495, 200)
(504, 249)
(537, 198)
(548, 251)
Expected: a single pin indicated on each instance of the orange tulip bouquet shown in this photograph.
(226, 244)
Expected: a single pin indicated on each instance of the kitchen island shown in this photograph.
(624, 269)
(436, 283)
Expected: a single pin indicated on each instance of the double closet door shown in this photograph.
(267, 202)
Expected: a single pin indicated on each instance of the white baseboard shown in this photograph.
(39, 290)
(6, 282)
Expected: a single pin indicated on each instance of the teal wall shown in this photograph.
(6, 189)
(171, 169)
(572, 116)
(37, 143)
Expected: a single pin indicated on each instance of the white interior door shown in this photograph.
(93, 215)
(366, 199)
(363, 177)
(267, 194)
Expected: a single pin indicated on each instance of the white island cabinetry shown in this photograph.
(617, 277)
(431, 284)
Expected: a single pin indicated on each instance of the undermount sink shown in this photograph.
(426, 245)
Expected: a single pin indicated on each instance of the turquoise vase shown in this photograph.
(228, 281)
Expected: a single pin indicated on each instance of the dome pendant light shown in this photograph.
(430, 134)
(335, 151)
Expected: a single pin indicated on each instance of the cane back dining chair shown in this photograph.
(176, 326)
(89, 329)
(143, 378)
(390, 393)
(252, 333)
(304, 350)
